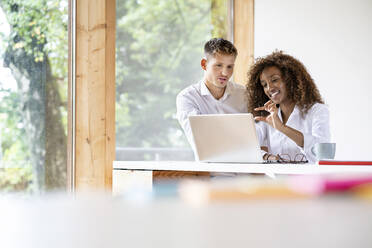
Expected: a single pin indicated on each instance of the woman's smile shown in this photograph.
(273, 85)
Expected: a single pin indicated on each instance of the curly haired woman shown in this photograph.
(291, 113)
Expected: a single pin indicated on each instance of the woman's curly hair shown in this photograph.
(301, 88)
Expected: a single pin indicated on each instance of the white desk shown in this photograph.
(314, 222)
(298, 169)
(128, 173)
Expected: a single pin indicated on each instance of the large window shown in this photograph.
(33, 94)
(159, 45)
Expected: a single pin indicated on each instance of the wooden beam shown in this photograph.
(110, 61)
(243, 38)
(95, 94)
(69, 165)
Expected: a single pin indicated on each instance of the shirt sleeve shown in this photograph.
(185, 108)
(320, 131)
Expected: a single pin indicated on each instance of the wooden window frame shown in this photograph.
(243, 25)
(91, 121)
(92, 85)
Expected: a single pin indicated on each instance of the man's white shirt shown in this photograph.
(197, 100)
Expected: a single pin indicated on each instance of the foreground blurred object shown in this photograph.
(98, 220)
(285, 187)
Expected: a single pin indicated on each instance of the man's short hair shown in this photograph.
(221, 46)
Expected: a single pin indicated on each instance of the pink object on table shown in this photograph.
(316, 185)
(345, 183)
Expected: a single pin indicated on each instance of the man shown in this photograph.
(215, 93)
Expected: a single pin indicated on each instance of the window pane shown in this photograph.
(33, 94)
(159, 45)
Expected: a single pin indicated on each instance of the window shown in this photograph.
(159, 45)
(33, 94)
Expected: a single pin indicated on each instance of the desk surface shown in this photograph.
(239, 168)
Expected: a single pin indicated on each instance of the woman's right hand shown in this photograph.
(272, 119)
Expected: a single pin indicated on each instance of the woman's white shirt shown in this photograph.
(314, 125)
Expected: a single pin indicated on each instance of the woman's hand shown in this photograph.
(270, 157)
(273, 118)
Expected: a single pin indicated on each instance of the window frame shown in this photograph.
(91, 126)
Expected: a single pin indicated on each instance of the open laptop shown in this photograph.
(227, 138)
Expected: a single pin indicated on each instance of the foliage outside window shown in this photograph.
(33, 94)
(159, 45)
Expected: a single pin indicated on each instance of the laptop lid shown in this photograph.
(229, 138)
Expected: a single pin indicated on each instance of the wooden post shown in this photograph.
(243, 38)
(95, 94)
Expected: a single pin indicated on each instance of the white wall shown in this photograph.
(333, 38)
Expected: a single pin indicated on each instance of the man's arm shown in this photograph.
(186, 107)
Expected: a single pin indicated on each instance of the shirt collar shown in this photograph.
(294, 113)
(205, 91)
(228, 89)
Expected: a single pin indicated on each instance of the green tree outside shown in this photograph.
(159, 45)
(34, 115)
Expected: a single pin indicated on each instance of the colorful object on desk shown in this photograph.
(315, 185)
(197, 193)
(346, 183)
(343, 162)
(363, 191)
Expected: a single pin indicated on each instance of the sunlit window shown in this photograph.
(33, 95)
(159, 45)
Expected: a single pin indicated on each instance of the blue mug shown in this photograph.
(324, 150)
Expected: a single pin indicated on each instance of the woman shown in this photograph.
(291, 113)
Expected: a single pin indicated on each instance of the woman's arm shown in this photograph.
(318, 115)
(293, 134)
(274, 120)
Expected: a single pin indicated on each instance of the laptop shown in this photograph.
(225, 138)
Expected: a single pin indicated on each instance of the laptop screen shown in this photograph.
(225, 138)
